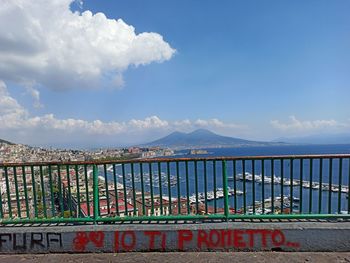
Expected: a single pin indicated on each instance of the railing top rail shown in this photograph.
(181, 159)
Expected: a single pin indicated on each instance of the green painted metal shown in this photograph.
(51, 192)
(169, 187)
(151, 186)
(35, 203)
(178, 188)
(87, 189)
(320, 189)
(291, 172)
(282, 185)
(187, 188)
(225, 185)
(253, 184)
(234, 166)
(116, 195)
(46, 186)
(68, 191)
(43, 192)
(25, 191)
(301, 185)
(340, 184)
(205, 187)
(272, 186)
(19, 214)
(330, 186)
(95, 193)
(142, 189)
(310, 190)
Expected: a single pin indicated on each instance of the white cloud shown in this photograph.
(45, 44)
(295, 125)
(19, 126)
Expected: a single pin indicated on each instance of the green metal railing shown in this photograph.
(227, 188)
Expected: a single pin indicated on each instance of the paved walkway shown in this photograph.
(319, 257)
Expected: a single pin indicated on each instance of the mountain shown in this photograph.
(6, 142)
(202, 138)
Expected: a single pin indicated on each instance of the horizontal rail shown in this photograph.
(175, 189)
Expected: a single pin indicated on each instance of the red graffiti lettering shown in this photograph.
(132, 241)
(184, 235)
(80, 241)
(226, 242)
(238, 241)
(152, 235)
(202, 238)
(214, 238)
(97, 238)
(277, 238)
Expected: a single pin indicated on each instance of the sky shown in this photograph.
(92, 73)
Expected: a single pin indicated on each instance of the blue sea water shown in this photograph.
(203, 177)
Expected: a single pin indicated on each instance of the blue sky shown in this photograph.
(250, 69)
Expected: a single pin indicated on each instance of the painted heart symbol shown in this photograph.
(97, 238)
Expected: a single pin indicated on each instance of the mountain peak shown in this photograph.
(201, 138)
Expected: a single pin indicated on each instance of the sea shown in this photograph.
(179, 179)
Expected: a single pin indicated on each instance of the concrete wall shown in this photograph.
(308, 236)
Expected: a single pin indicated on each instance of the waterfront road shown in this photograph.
(179, 257)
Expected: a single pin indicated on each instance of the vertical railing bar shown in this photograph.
(310, 185)
(169, 187)
(253, 172)
(301, 186)
(87, 190)
(160, 188)
(96, 200)
(1, 208)
(116, 194)
(69, 191)
(340, 183)
(234, 167)
(19, 214)
(282, 186)
(107, 191)
(330, 186)
(8, 191)
(25, 191)
(34, 191)
(214, 174)
(178, 188)
(196, 184)
(272, 186)
(133, 187)
(349, 188)
(151, 186)
(78, 190)
(187, 188)
(43, 190)
(291, 184)
(320, 188)
(124, 191)
(51, 192)
(224, 178)
(60, 190)
(142, 190)
(205, 187)
(263, 185)
(244, 188)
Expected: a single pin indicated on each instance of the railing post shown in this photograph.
(95, 192)
(224, 179)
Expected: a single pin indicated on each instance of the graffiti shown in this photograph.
(83, 238)
(236, 238)
(23, 241)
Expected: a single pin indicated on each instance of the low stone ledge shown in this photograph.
(230, 236)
